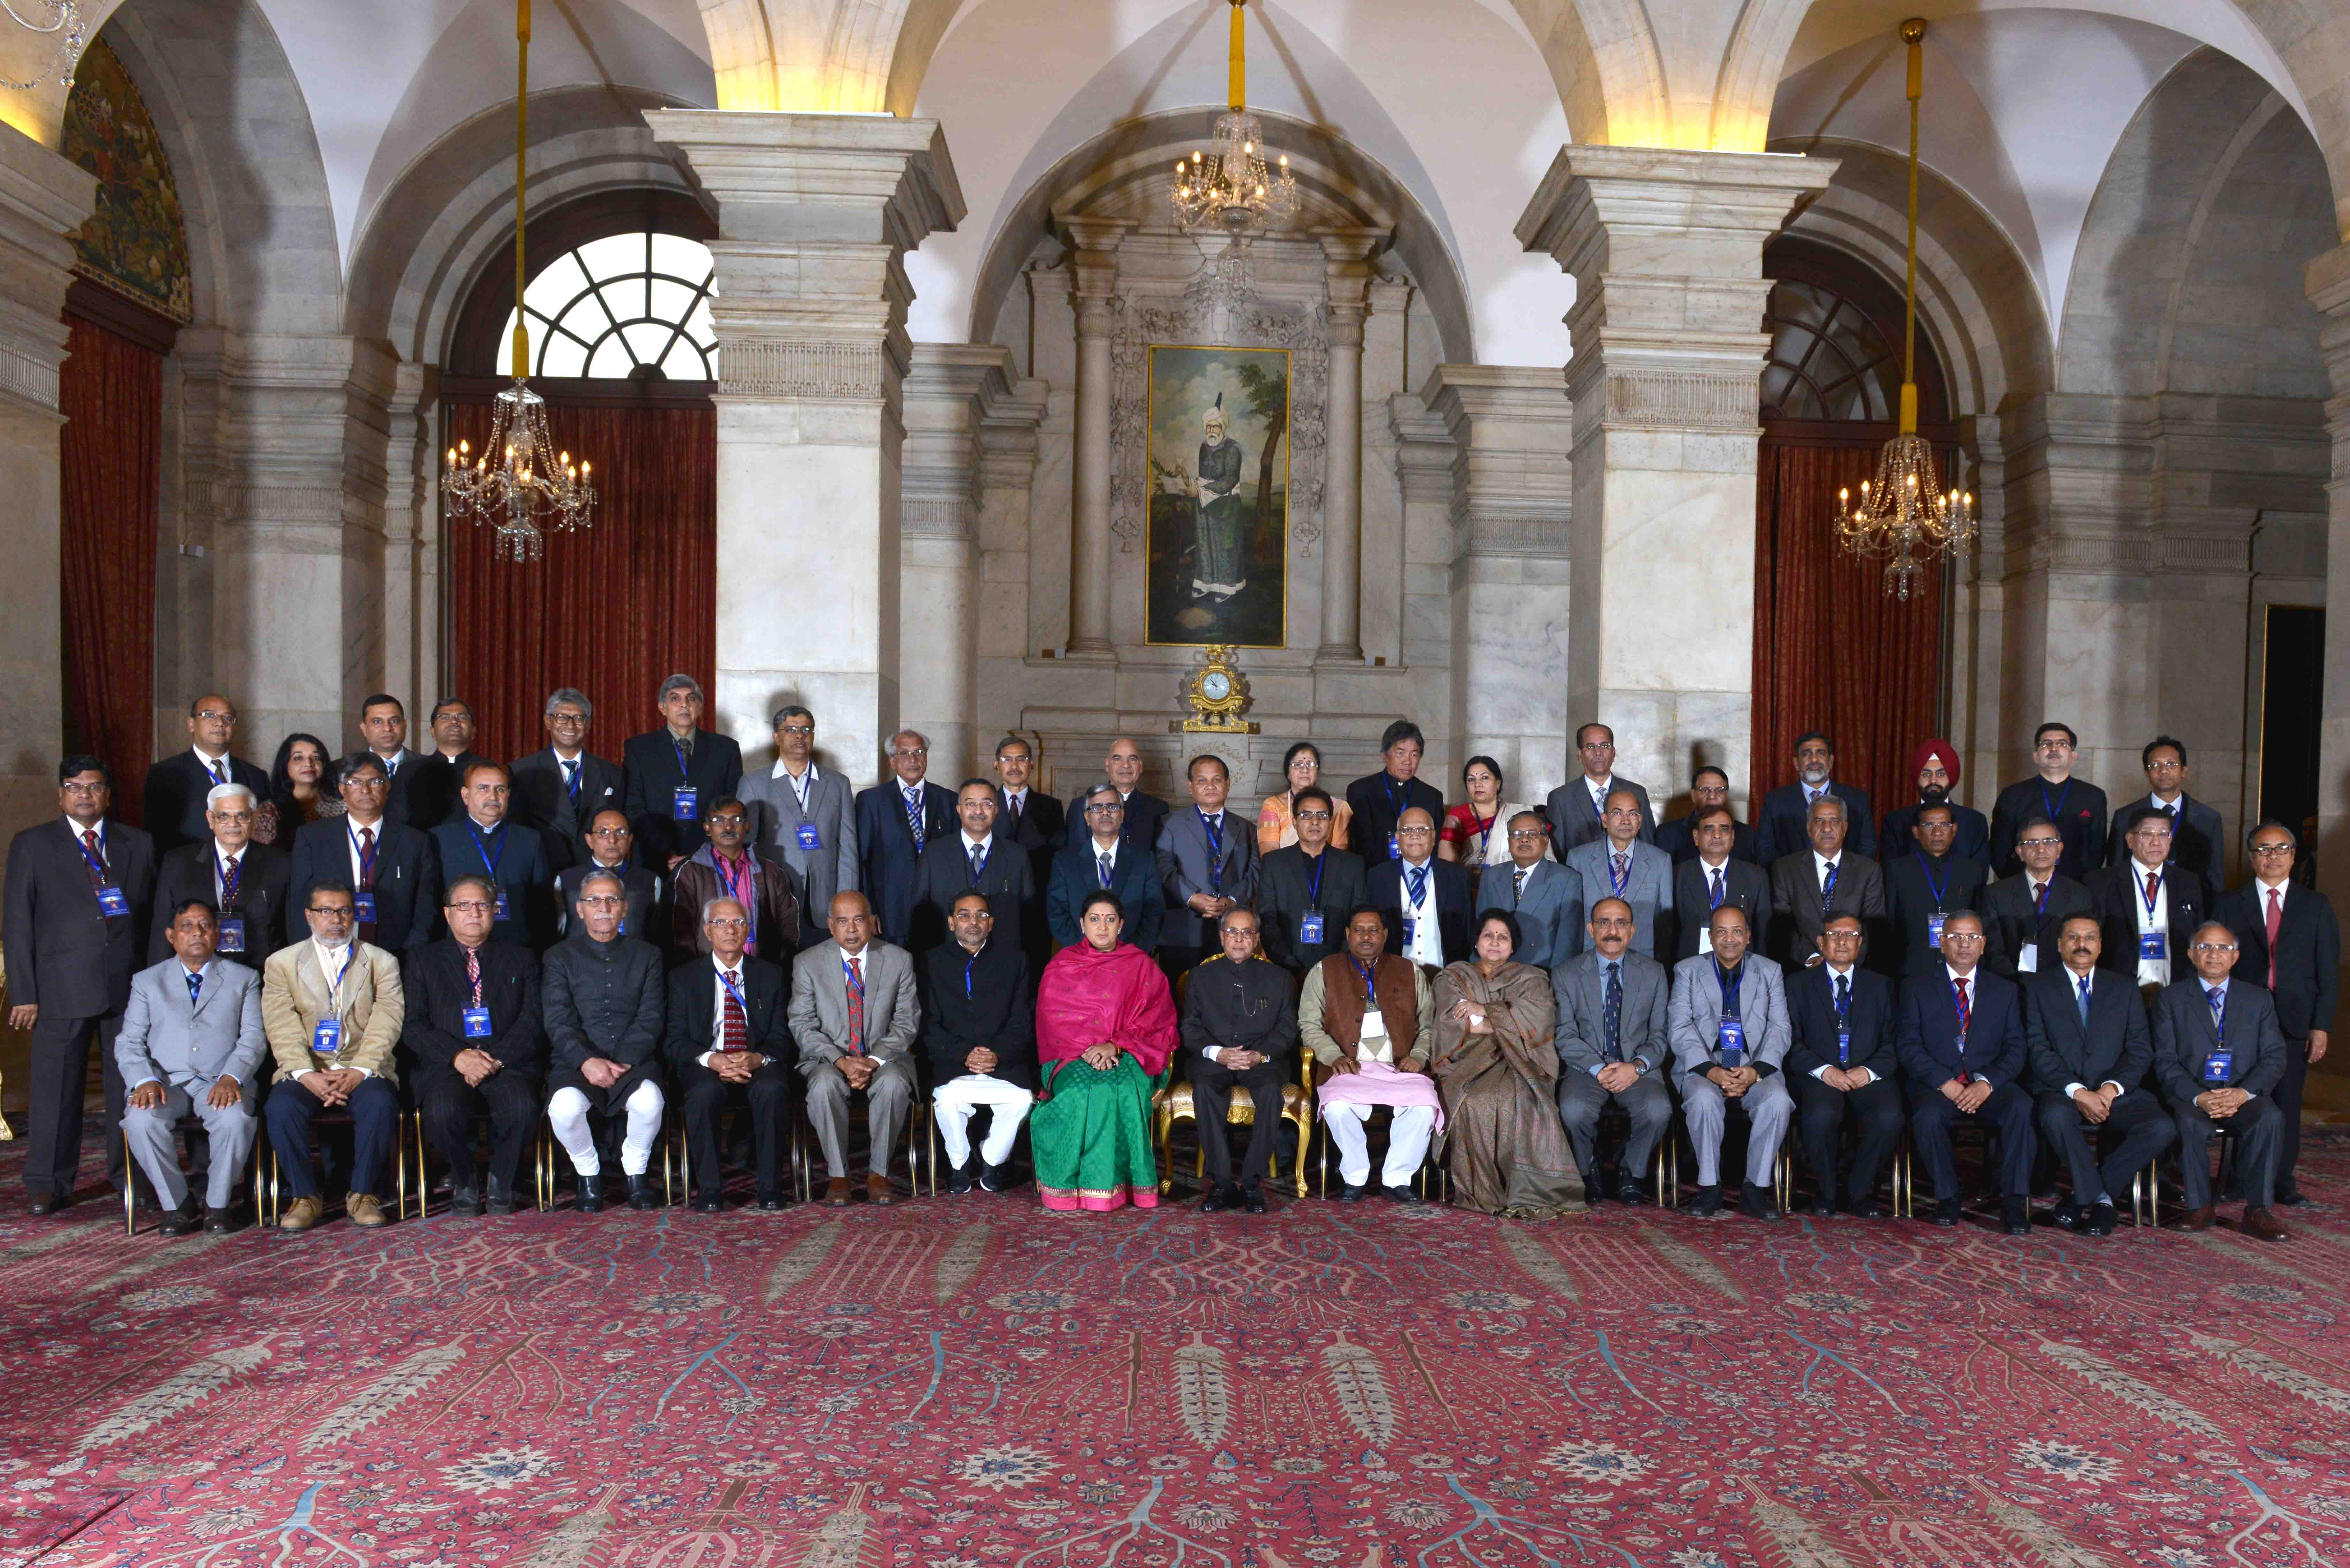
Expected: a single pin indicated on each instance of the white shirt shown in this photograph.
(352, 829)
(801, 783)
(1424, 944)
(392, 760)
(222, 861)
(1100, 854)
(337, 973)
(1600, 793)
(1821, 866)
(717, 1005)
(99, 828)
(209, 762)
(1835, 974)
(2284, 890)
(986, 847)
(2151, 972)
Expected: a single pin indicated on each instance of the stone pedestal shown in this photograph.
(1666, 249)
(42, 198)
(816, 214)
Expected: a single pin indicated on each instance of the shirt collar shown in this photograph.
(970, 844)
(572, 760)
(1839, 973)
(222, 857)
(209, 762)
(1017, 797)
(327, 954)
(1599, 787)
(1407, 860)
(1820, 863)
(77, 829)
(203, 974)
(718, 965)
(782, 770)
(1710, 865)
(1954, 976)
(2266, 887)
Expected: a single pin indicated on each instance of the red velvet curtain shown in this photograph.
(1832, 650)
(110, 392)
(611, 609)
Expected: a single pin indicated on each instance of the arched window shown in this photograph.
(1835, 343)
(632, 307)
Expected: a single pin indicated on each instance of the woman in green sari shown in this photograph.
(1104, 1028)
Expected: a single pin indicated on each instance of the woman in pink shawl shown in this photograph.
(1104, 1028)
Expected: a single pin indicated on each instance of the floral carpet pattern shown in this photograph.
(964, 1382)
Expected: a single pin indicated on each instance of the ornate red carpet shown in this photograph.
(969, 1382)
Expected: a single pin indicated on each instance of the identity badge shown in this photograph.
(1844, 1047)
(502, 904)
(1309, 931)
(807, 837)
(2153, 945)
(2216, 1066)
(1733, 1042)
(683, 806)
(110, 901)
(1934, 930)
(328, 1038)
(232, 934)
(363, 906)
(477, 1024)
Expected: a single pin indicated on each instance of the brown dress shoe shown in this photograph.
(877, 1189)
(302, 1213)
(365, 1209)
(2264, 1223)
(2196, 1218)
(836, 1192)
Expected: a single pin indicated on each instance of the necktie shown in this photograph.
(2276, 918)
(474, 974)
(96, 856)
(571, 780)
(230, 876)
(1965, 1010)
(1827, 888)
(1844, 995)
(1714, 896)
(2084, 1002)
(1011, 811)
(2218, 996)
(367, 857)
(1518, 895)
(1617, 880)
(2170, 813)
(738, 1028)
(914, 816)
(1417, 876)
(1104, 861)
(1611, 1012)
(856, 1005)
(195, 986)
(978, 863)
(219, 773)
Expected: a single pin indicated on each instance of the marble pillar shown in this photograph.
(411, 542)
(42, 199)
(1666, 249)
(2329, 280)
(1346, 271)
(1093, 262)
(816, 214)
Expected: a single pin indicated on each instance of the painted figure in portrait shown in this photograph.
(1219, 526)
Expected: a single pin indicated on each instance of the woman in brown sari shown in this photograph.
(1506, 1149)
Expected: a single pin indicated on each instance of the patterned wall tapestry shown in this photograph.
(134, 241)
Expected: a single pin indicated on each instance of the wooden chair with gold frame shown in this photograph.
(1172, 1103)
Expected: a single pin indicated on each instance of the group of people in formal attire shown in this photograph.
(601, 948)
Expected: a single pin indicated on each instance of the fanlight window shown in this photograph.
(626, 305)
(1828, 360)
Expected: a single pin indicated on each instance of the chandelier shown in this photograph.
(58, 16)
(518, 482)
(1230, 187)
(1905, 518)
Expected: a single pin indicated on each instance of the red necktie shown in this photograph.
(473, 973)
(2276, 918)
(97, 857)
(855, 1008)
(1965, 1010)
(367, 885)
(738, 1028)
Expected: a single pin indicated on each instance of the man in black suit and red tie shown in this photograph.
(2149, 907)
(1964, 1052)
(74, 920)
(2290, 943)
(393, 870)
(173, 804)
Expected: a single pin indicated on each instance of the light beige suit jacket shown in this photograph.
(294, 997)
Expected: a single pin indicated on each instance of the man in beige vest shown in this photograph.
(332, 1008)
(1367, 1016)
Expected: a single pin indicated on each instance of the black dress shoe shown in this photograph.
(1867, 1208)
(641, 1194)
(590, 1198)
(220, 1222)
(1946, 1211)
(1709, 1202)
(1398, 1194)
(1756, 1202)
(772, 1200)
(993, 1178)
(465, 1203)
(2015, 1216)
(1823, 1207)
(1348, 1193)
(704, 1203)
(1253, 1201)
(187, 1218)
(2102, 1218)
(2067, 1216)
(1630, 1192)
(501, 1195)
(961, 1179)
(2291, 1199)
(1220, 1199)
(47, 1203)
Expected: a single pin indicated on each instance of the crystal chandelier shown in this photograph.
(518, 482)
(1229, 187)
(63, 17)
(1905, 518)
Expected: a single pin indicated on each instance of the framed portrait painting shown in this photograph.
(1218, 475)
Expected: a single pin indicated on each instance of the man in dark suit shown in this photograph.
(2076, 806)
(1708, 789)
(1841, 1065)
(611, 848)
(480, 839)
(1031, 819)
(473, 1024)
(435, 787)
(1426, 901)
(2290, 943)
(2090, 1055)
(383, 726)
(895, 821)
(559, 790)
(727, 1041)
(979, 1033)
(1577, 807)
(1935, 764)
(675, 773)
(1545, 896)
(173, 804)
(1379, 800)
(242, 881)
(1963, 1050)
(1240, 1033)
(1712, 877)
(2220, 1055)
(1207, 861)
(1930, 882)
(1144, 813)
(2149, 909)
(394, 870)
(74, 920)
(1305, 892)
(1106, 859)
(1782, 825)
(976, 856)
(2022, 913)
(1827, 878)
(2197, 837)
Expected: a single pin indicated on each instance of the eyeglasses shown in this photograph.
(609, 832)
(725, 822)
(473, 907)
(1414, 832)
(331, 911)
(2164, 767)
(796, 729)
(1597, 746)
(910, 751)
(75, 787)
(1526, 834)
(2038, 843)
(2271, 848)
(365, 781)
(603, 901)
(1110, 810)
(216, 716)
(737, 924)
(2214, 948)
(1312, 816)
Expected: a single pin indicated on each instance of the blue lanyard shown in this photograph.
(967, 966)
(1730, 983)
(1928, 875)
(1370, 990)
(498, 833)
(2057, 804)
(1840, 991)
(855, 980)
(97, 865)
(684, 773)
(1215, 850)
(1718, 888)
(1313, 879)
(1616, 884)
(739, 999)
(2040, 900)
(745, 893)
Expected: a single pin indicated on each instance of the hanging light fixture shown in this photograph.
(1230, 187)
(64, 17)
(518, 482)
(1905, 518)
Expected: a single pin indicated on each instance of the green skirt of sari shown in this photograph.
(1092, 1138)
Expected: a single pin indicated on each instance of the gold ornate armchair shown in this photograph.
(1173, 1104)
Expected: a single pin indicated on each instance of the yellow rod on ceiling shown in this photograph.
(1239, 91)
(522, 148)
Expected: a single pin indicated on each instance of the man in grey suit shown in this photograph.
(1206, 859)
(1713, 877)
(1620, 865)
(1546, 897)
(1611, 1040)
(1727, 1024)
(806, 816)
(1577, 806)
(1830, 878)
(854, 1017)
(192, 1045)
(2219, 1056)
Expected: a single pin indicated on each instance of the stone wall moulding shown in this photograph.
(818, 372)
(840, 178)
(1680, 399)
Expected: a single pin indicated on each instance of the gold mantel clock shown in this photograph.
(1218, 695)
